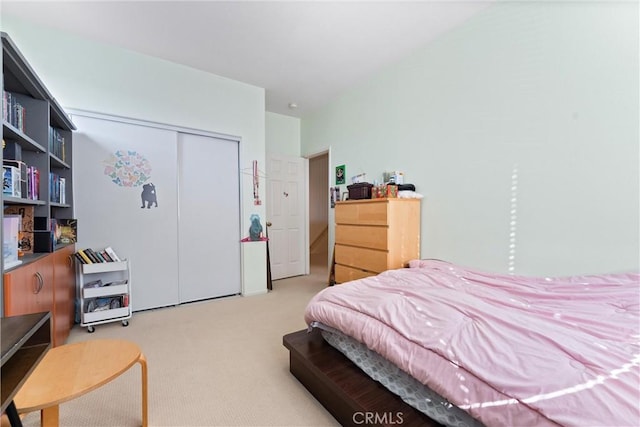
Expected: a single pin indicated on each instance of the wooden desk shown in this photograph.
(71, 370)
(24, 341)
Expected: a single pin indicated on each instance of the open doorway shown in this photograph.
(319, 214)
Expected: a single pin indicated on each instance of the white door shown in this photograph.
(286, 201)
(208, 217)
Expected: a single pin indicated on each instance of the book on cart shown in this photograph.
(112, 254)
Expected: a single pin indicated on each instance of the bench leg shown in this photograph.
(145, 412)
(50, 417)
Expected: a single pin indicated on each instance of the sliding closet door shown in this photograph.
(208, 217)
(116, 165)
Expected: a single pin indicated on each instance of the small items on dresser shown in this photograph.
(385, 191)
(360, 191)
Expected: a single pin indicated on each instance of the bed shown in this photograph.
(480, 348)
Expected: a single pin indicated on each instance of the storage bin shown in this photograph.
(359, 191)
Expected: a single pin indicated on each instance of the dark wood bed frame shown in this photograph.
(351, 396)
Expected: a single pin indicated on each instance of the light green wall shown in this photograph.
(547, 90)
(92, 76)
(282, 134)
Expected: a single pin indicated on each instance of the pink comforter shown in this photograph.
(509, 350)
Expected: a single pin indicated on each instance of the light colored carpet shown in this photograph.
(213, 363)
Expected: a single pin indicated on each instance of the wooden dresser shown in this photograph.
(375, 235)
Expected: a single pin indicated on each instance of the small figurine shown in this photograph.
(255, 230)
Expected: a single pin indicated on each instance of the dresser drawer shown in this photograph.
(363, 258)
(346, 274)
(363, 213)
(362, 236)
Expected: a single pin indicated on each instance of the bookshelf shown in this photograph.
(37, 140)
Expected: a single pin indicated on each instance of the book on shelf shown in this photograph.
(63, 189)
(85, 257)
(56, 184)
(66, 231)
(106, 256)
(11, 181)
(56, 144)
(99, 256)
(12, 111)
(92, 255)
(112, 254)
(79, 258)
(33, 183)
(18, 178)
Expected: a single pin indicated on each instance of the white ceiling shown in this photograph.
(303, 52)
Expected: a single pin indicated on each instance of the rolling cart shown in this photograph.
(104, 290)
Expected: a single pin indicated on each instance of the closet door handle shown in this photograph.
(70, 260)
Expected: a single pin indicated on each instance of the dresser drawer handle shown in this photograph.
(40, 283)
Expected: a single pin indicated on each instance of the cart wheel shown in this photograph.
(91, 329)
(125, 323)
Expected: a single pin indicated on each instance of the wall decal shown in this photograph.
(127, 168)
(149, 195)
